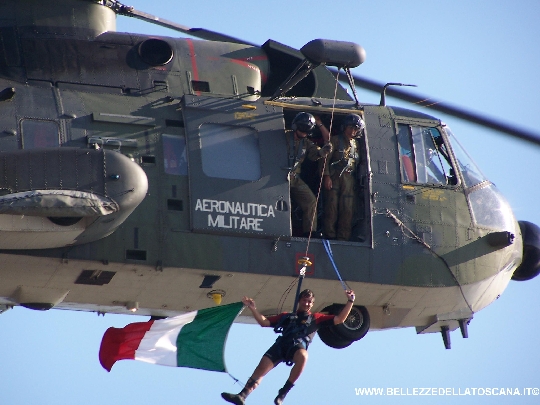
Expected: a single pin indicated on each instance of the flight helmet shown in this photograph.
(353, 120)
(303, 122)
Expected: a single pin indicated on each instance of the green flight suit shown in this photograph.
(339, 201)
(298, 150)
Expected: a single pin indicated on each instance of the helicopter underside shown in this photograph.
(122, 288)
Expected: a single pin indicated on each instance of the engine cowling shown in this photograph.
(57, 197)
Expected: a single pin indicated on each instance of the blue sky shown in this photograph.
(482, 55)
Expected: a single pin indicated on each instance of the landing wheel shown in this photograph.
(329, 338)
(355, 326)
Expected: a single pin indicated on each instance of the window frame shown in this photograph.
(25, 142)
(408, 148)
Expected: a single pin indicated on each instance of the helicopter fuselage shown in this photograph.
(154, 170)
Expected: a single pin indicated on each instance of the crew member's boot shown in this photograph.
(239, 399)
(283, 392)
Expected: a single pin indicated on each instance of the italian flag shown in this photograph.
(195, 339)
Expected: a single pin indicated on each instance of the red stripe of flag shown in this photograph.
(121, 343)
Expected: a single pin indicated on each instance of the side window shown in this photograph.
(423, 156)
(408, 168)
(39, 134)
(174, 155)
(230, 152)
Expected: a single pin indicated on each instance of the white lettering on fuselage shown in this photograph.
(227, 214)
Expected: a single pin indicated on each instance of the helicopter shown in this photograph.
(111, 196)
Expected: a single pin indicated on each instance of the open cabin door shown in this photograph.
(237, 156)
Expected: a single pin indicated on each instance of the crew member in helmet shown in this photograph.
(339, 178)
(298, 148)
(296, 331)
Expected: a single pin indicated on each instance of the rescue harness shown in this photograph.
(294, 331)
(346, 163)
(295, 156)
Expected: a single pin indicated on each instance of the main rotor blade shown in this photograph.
(361, 82)
(201, 33)
(446, 108)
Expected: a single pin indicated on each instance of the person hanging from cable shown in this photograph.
(297, 330)
(298, 148)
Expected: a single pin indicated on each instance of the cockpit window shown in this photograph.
(424, 157)
(488, 207)
(491, 209)
(470, 172)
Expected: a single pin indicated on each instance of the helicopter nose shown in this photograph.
(530, 265)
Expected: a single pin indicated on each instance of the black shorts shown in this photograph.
(283, 350)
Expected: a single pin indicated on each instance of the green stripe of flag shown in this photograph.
(201, 343)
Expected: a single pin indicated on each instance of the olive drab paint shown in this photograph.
(154, 170)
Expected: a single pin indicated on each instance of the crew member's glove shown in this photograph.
(326, 150)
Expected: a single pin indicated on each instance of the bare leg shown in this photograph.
(299, 359)
(265, 365)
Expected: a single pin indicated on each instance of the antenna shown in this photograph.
(383, 94)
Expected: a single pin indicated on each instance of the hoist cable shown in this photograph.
(326, 244)
(324, 166)
(328, 249)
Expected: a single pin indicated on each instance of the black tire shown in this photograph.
(64, 221)
(530, 266)
(329, 338)
(355, 326)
